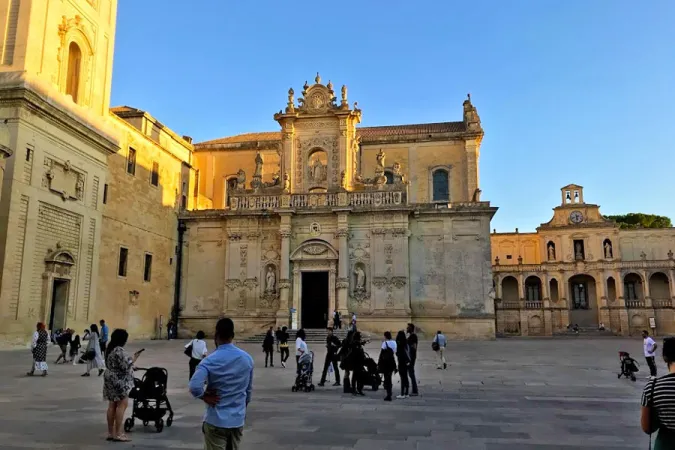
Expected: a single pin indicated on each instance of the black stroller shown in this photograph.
(628, 366)
(371, 376)
(150, 401)
(303, 379)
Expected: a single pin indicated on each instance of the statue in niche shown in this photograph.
(343, 180)
(359, 279)
(270, 280)
(258, 166)
(578, 253)
(551, 252)
(398, 176)
(608, 250)
(317, 168)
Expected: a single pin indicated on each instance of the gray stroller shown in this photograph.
(303, 378)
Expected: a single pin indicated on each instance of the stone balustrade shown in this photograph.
(588, 266)
(635, 304)
(375, 199)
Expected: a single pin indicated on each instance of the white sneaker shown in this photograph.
(283, 364)
(400, 397)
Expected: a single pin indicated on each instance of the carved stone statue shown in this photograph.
(359, 279)
(258, 166)
(241, 179)
(318, 171)
(380, 160)
(290, 106)
(344, 94)
(343, 180)
(287, 183)
(577, 251)
(608, 250)
(551, 252)
(476, 195)
(270, 280)
(397, 175)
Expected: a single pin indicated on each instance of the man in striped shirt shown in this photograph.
(659, 395)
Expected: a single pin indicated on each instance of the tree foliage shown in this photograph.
(641, 220)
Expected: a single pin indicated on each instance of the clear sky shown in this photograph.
(569, 91)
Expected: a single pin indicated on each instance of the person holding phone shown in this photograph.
(118, 381)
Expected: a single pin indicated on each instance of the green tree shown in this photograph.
(641, 220)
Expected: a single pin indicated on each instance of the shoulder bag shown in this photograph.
(188, 349)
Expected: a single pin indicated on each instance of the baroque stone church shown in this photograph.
(325, 215)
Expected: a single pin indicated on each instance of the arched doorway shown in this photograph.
(533, 289)
(659, 289)
(510, 290)
(56, 288)
(314, 270)
(632, 290)
(583, 301)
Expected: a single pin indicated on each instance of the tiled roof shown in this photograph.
(366, 133)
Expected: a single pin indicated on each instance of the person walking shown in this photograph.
(63, 341)
(268, 347)
(332, 347)
(39, 350)
(658, 402)
(649, 347)
(93, 354)
(198, 351)
(357, 360)
(344, 356)
(283, 346)
(118, 381)
(277, 335)
(386, 363)
(403, 356)
(75, 349)
(224, 381)
(438, 345)
(412, 347)
(104, 335)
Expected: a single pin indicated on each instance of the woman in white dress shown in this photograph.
(93, 353)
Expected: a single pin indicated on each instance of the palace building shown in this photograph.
(580, 268)
(106, 213)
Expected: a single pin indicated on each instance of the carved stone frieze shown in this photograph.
(315, 249)
(269, 300)
(251, 283)
(243, 255)
(233, 284)
(341, 233)
(242, 298)
(284, 283)
(234, 237)
(342, 283)
(62, 179)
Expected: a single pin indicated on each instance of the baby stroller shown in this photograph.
(150, 400)
(628, 366)
(303, 379)
(371, 376)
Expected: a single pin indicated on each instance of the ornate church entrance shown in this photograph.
(314, 299)
(583, 301)
(59, 307)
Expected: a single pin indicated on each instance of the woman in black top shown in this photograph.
(343, 354)
(403, 355)
(356, 362)
(268, 347)
(283, 346)
(658, 402)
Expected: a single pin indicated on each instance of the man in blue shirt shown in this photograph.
(103, 340)
(224, 380)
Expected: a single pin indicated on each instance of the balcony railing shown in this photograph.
(662, 303)
(534, 304)
(635, 304)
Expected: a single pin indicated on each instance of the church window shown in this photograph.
(631, 291)
(509, 257)
(441, 192)
(147, 268)
(230, 187)
(74, 68)
(579, 253)
(154, 178)
(105, 193)
(390, 176)
(131, 162)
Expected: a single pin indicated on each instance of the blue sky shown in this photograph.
(569, 91)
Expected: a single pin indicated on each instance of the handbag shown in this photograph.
(188, 349)
(435, 347)
(89, 355)
(386, 362)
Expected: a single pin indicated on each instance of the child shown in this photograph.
(75, 349)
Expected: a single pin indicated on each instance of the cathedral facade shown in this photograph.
(324, 215)
(581, 269)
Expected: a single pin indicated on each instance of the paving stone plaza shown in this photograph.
(506, 394)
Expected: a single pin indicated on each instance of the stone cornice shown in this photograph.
(16, 91)
(579, 266)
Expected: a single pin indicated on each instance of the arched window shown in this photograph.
(390, 176)
(74, 67)
(441, 191)
(230, 186)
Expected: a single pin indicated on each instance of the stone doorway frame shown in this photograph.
(314, 255)
(58, 266)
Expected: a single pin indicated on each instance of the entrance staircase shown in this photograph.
(313, 336)
(585, 332)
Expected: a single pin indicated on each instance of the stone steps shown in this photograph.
(313, 336)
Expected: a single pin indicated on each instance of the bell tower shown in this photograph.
(319, 142)
(62, 48)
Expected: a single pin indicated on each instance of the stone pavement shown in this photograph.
(507, 394)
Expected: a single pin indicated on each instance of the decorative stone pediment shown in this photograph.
(60, 262)
(314, 249)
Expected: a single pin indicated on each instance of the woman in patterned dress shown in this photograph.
(39, 350)
(117, 383)
(93, 352)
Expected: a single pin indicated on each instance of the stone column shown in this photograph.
(471, 168)
(645, 289)
(601, 292)
(332, 272)
(548, 316)
(562, 295)
(498, 288)
(284, 271)
(296, 297)
(521, 287)
(671, 283)
(621, 303)
(342, 284)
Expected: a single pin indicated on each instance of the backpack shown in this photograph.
(386, 362)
